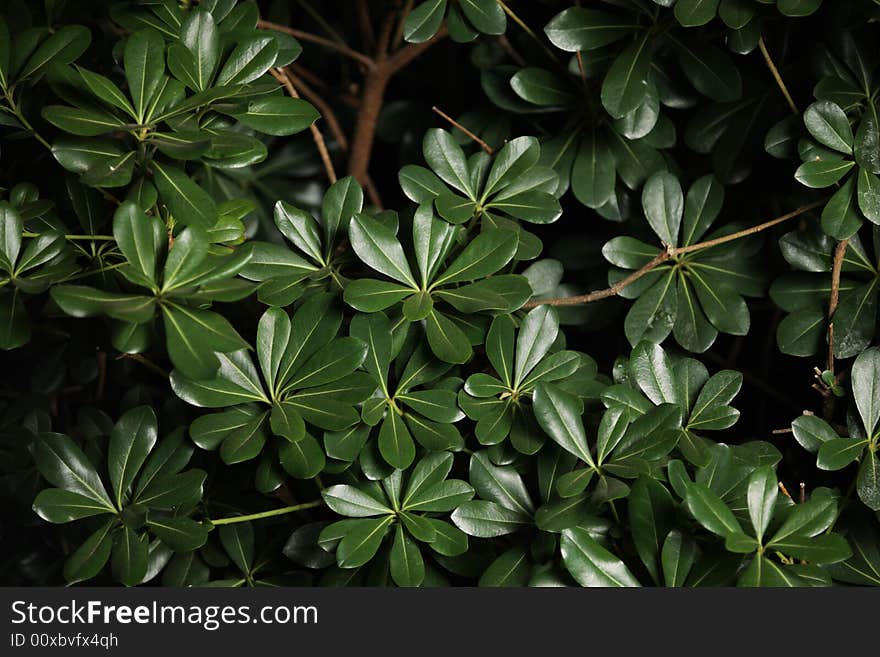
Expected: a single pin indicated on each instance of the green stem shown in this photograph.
(525, 28)
(268, 514)
(23, 120)
(93, 238)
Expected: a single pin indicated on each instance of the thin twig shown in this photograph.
(458, 125)
(775, 73)
(146, 362)
(281, 75)
(525, 28)
(505, 44)
(314, 38)
(366, 26)
(664, 255)
(398, 33)
(611, 291)
(323, 107)
(836, 268)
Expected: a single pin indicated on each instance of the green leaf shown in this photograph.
(91, 556)
(130, 557)
(830, 548)
(249, 60)
(651, 517)
(869, 195)
(193, 337)
(180, 534)
(86, 123)
(710, 511)
(235, 382)
(693, 13)
(710, 70)
(395, 442)
(59, 506)
(442, 496)
(483, 256)
(485, 519)
(664, 205)
(407, 565)
(137, 235)
(485, 15)
(362, 541)
(447, 160)
(559, 414)
(822, 173)
(868, 480)
(447, 340)
(840, 217)
(761, 493)
(343, 201)
(238, 541)
(562, 514)
(11, 227)
(107, 91)
(591, 564)
(624, 88)
(838, 453)
(65, 45)
(577, 29)
(379, 248)
(423, 21)
(303, 459)
(190, 204)
(81, 301)
(678, 556)
(144, 63)
(593, 175)
(132, 439)
(866, 388)
(867, 143)
(652, 371)
(829, 126)
(199, 34)
(352, 502)
(245, 442)
(63, 464)
(541, 87)
(812, 432)
(278, 115)
(300, 228)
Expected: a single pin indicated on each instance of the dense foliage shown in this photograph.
(610, 325)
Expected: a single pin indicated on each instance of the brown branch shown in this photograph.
(373, 95)
(836, 268)
(314, 38)
(458, 125)
(326, 111)
(775, 73)
(611, 291)
(366, 25)
(507, 47)
(663, 256)
(748, 231)
(281, 75)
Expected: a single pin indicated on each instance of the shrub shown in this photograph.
(610, 325)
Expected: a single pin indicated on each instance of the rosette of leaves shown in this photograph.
(834, 452)
(151, 496)
(502, 404)
(694, 294)
(736, 14)
(511, 185)
(837, 155)
(805, 293)
(405, 504)
(785, 545)
(308, 375)
(217, 62)
(448, 297)
(652, 380)
(315, 260)
(25, 57)
(410, 403)
(190, 277)
(465, 19)
(28, 265)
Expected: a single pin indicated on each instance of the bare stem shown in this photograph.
(281, 75)
(314, 38)
(663, 256)
(776, 76)
(268, 514)
(470, 134)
